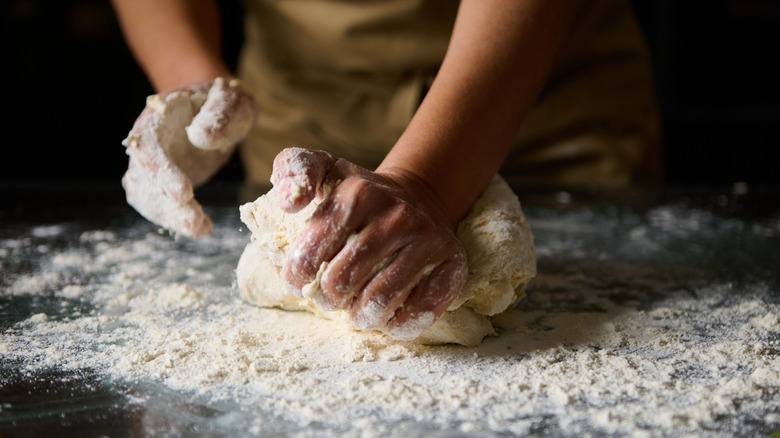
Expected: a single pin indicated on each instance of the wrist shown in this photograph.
(421, 195)
(176, 75)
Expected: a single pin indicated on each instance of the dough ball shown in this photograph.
(500, 249)
(495, 234)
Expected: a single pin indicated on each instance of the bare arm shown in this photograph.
(181, 138)
(176, 42)
(383, 242)
(499, 56)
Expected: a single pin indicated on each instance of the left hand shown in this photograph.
(380, 244)
(178, 142)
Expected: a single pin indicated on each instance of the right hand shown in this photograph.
(179, 141)
(378, 241)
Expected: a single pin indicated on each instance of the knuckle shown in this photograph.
(405, 213)
(402, 219)
(370, 315)
(356, 189)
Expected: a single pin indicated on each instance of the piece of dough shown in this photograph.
(495, 233)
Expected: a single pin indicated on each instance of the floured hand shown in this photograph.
(376, 244)
(179, 141)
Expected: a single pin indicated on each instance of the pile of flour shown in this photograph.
(605, 342)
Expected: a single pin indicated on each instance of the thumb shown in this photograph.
(225, 118)
(298, 175)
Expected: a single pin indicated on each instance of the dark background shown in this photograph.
(72, 90)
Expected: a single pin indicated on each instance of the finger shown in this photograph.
(187, 219)
(156, 187)
(326, 233)
(151, 166)
(191, 221)
(298, 174)
(225, 117)
(428, 300)
(378, 301)
(364, 254)
(166, 135)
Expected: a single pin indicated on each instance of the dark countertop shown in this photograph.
(729, 235)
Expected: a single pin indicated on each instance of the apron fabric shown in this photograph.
(346, 76)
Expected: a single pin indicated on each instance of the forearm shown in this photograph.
(497, 62)
(176, 42)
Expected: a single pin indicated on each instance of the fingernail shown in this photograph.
(369, 317)
(412, 328)
(323, 303)
(293, 290)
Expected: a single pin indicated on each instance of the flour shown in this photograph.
(605, 342)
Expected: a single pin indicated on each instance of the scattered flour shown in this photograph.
(604, 343)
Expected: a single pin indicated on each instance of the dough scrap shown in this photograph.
(495, 234)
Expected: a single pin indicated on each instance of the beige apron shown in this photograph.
(347, 76)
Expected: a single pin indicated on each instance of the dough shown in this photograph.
(495, 233)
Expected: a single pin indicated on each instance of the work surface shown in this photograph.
(654, 312)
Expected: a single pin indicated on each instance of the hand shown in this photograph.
(179, 141)
(376, 241)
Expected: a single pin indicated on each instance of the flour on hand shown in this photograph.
(495, 234)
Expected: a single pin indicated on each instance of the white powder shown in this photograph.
(604, 343)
